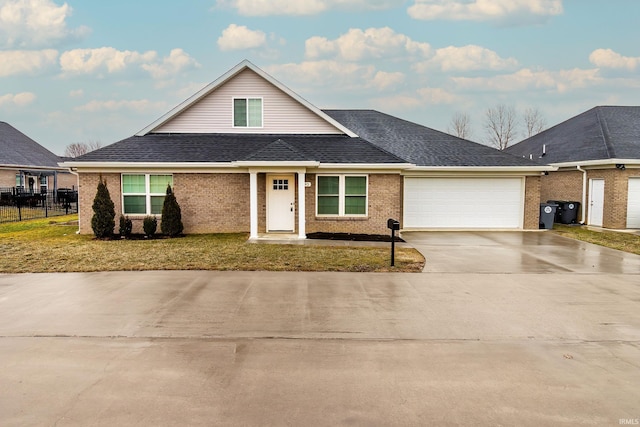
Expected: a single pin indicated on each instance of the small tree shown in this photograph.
(126, 226)
(533, 121)
(103, 220)
(171, 224)
(149, 225)
(460, 125)
(501, 125)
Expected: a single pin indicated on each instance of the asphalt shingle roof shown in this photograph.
(17, 149)
(240, 147)
(421, 145)
(607, 132)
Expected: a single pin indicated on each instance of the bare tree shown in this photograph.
(460, 125)
(79, 148)
(501, 124)
(533, 121)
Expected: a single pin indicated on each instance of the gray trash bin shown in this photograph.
(547, 215)
(569, 213)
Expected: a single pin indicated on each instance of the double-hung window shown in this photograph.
(144, 193)
(341, 195)
(247, 112)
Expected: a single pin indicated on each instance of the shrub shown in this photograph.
(126, 226)
(171, 224)
(149, 225)
(103, 220)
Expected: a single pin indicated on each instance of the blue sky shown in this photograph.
(81, 71)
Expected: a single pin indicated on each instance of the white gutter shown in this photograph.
(145, 165)
(584, 193)
(541, 168)
(600, 162)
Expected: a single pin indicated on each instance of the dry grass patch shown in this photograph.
(47, 246)
(626, 242)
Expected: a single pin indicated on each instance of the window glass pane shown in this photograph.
(240, 112)
(133, 184)
(135, 205)
(328, 184)
(355, 205)
(255, 112)
(156, 204)
(355, 185)
(158, 183)
(328, 205)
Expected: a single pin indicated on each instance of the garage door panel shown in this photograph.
(463, 203)
(633, 203)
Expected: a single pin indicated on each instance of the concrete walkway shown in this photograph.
(553, 344)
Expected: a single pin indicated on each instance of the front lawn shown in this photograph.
(47, 245)
(626, 242)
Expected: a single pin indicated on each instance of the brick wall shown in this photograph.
(210, 203)
(384, 202)
(87, 192)
(567, 185)
(531, 203)
(65, 180)
(213, 203)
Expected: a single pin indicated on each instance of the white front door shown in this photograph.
(633, 203)
(281, 200)
(596, 201)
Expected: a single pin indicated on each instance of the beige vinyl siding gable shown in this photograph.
(281, 113)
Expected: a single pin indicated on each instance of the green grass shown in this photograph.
(626, 242)
(47, 245)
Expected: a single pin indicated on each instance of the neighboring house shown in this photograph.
(597, 154)
(28, 166)
(246, 154)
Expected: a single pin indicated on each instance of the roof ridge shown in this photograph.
(606, 135)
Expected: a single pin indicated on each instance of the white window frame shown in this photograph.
(342, 196)
(233, 112)
(148, 194)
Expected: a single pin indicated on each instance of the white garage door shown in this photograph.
(633, 203)
(463, 203)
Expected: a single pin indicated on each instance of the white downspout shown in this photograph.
(584, 194)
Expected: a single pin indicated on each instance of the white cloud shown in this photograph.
(383, 80)
(177, 61)
(303, 7)
(77, 93)
(19, 99)
(433, 95)
(26, 62)
(357, 44)
(467, 58)
(32, 23)
(111, 60)
(326, 73)
(139, 106)
(238, 37)
(607, 58)
(87, 61)
(485, 10)
(526, 79)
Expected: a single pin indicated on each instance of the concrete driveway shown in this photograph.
(516, 252)
(258, 348)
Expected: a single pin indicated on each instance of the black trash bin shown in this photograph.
(547, 215)
(569, 212)
(558, 215)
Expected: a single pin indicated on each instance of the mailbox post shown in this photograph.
(393, 225)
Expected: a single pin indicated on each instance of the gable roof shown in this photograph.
(17, 149)
(244, 65)
(601, 133)
(421, 145)
(229, 148)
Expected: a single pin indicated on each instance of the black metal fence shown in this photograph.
(17, 204)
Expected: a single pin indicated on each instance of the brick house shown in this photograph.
(28, 166)
(597, 156)
(247, 154)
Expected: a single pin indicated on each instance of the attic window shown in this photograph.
(247, 112)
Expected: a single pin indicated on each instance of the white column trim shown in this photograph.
(302, 232)
(253, 204)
